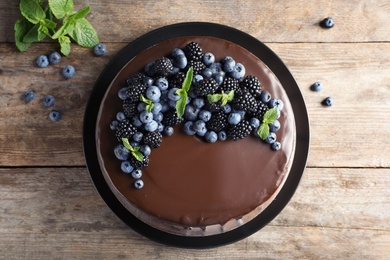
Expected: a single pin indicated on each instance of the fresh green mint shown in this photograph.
(183, 93)
(134, 150)
(268, 118)
(149, 103)
(58, 20)
(213, 98)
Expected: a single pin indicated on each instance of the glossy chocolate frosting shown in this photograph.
(193, 187)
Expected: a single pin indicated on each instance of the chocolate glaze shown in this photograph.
(192, 183)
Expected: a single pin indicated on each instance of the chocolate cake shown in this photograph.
(192, 187)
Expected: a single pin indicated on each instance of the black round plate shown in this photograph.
(198, 29)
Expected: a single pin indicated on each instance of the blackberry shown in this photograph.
(198, 66)
(193, 51)
(139, 164)
(153, 139)
(171, 118)
(252, 84)
(205, 87)
(136, 78)
(129, 108)
(245, 101)
(176, 81)
(239, 131)
(135, 91)
(229, 84)
(213, 107)
(162, 66)
(217, 122)
(125, 130)
(260, 111)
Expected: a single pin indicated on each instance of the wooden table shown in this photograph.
(50, 209)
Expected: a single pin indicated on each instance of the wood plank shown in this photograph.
(355, 75)
(51, 212)
(270, 21)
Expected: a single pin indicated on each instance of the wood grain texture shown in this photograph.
(355, 75)
(270, 21)
(51, 212)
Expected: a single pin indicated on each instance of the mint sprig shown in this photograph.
(134, 150)
(183, 93)
(268, 118)
(56, 19)
(149, 103)
(213, 98)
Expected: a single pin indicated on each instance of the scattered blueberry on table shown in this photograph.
(55, 115)
(328, 101)
(68, 71)
(100, 49)
(28, 96)
(42, 61)
(317, 86)
(48, 101)
(54, 58)
(327, 23)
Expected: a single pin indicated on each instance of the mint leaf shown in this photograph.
(61, 8)
(48, 23)
(21, 28)
(227, 97)
(66, 28)
(84, 34)
(181, 104)
(263, 131)
(80, 14)
(32, 11)
(32, 35)
(134, 151)
(149, 103)
(270, 116)
(213, 98)
(65, 44)
(188, 79)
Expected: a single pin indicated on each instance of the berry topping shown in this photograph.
(153, 139)
(193, 51)
(239, 131)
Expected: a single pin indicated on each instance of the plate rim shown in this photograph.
(242, 39)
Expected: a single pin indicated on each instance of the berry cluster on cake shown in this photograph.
(196, 136)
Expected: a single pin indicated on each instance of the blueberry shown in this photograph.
(145, 150)
(42, 61)
(327, 23)
(234, 118)
(278, 114)
(317, 86)
(134, 144)
(211, 137)
(138, 184)
(122, 93)
(28, 96)
(113, 124)
(276, 146)
(164, 107)
(158, 117)
(180, 61)
(274, 126)
(172, 95)
(149, 68)
(54, 58)
(265, 96)
(255, 123)
(126, 167)
(68, 71)
(328, 101)
(99, 49)
(148, 81)
(208, 58)
(188, 128)
(204, 115)
(151, 126)
(162, 83)
(146, 117)
(137, 136)
(238, 71)
(219, 77)
(141, 107)
(160, 127)
(228, 64)
(55, 115)
(216, 68)
(207, 73)
(153, 93)
(177, 52)
(271, 138)
(120, 116)
(136, 121)
(241, 112)
(168, 130)
(222, 136)
(197, 78)
(198, 102)
(200, 127)
(156, 108)
(136, 174)
(172, 104)
(191, 113)
(121, 152)
(227, 109)
(48, 101)
(276, 103)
